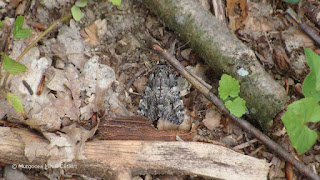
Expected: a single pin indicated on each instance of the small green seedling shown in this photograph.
(75, 10)
(306, 110)
(229, 90)
(18, 32)
(13, 67)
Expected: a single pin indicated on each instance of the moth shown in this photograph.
(161, 98)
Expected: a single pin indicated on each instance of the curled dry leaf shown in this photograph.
(140, 83)
(185, 53)
(281, 59)
(212, 119)
(236, 19)
(91, 34)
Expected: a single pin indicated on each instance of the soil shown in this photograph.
(114, 42)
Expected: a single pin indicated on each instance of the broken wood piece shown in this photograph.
(124, 159)
(137, 128)
(221, 49)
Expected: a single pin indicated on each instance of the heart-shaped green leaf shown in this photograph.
(236, 107)
(295, 119)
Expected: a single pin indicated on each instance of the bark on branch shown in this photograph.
(224, 53)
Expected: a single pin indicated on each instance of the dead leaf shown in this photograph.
(20, 9)
(212, 119)
(185, 53)
(140, 83)
(92, 34)
(289, 171)
(281, 59)
(237, 11)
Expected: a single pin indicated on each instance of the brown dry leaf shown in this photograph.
(14, 3)
(92, 32)
(253, 24)
(244, 9)
(281, 59)
(235, 20)
(20, 9)
(212, 119)
(289, 171)
(140, 83)
(185, 53)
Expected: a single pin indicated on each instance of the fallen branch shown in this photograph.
(123, 159)
(137, 128)
(224, 53)
(241, 122)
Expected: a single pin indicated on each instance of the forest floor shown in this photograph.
(111, 44)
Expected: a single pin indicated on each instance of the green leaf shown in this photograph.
(292, 1)
(22, 33)
(313, 60)
(309, 87)
(236, 107)
(76, 13)
(1, 24)
(298, 114)
(81, 3)
(18, 32)
(12, 66)
(18, 24)
(15, 101)
(116, 2)
(229, 87)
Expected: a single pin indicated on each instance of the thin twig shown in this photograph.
(241, 122)
(310, 31)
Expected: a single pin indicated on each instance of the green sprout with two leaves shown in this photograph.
(229, 90)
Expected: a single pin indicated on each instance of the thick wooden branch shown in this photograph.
(137, 128)
(224, 53)
(123, 159)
